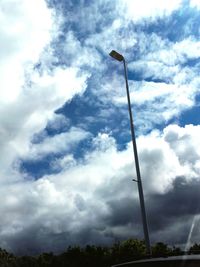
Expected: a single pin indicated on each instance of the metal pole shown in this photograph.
(137, 166)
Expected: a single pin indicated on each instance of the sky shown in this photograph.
(66, 159)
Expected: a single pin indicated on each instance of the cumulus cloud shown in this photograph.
(23, 37)
(93, 199)
(63, 204)
(31, 112)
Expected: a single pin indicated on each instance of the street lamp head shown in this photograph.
(116, 55)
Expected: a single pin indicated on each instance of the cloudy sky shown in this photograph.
(66, 160)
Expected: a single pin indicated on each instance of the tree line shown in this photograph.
(98, 256)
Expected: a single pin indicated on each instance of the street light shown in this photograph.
(119, 57)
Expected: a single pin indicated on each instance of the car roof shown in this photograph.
(171, 258)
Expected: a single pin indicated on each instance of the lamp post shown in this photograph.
(119, 57)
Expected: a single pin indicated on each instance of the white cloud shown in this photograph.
(80, 195)
(25, 30)
(176, 136)
(160, 164)
(176, 85)
(23, 37)
(59, 143)
(31, 112)
(116, 36)
(29, 98)
(195, 3)
(175, 53)
(63, 163)
(157, 101)
(59, 122)
(137, 9)
(80, 54)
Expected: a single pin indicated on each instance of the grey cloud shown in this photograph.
(181, 200)
(170, 216)
(123, 211)
(94, 200)
(80, 203)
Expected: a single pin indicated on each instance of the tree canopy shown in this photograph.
(91, 255)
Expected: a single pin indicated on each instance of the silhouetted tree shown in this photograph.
(6, 259)
(195, 249)
(128, 250)
(25, 261)
(161, 250)
(46, 259)
(176, 251)
(90, 256)
(72, 257)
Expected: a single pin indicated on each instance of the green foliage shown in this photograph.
(72, 257)
(6, 259)
(95, 256)
(90, 256)
(25, 261)
(131, 249)
(195, 249)
(45, 260)
(161, 250)
(176, 251)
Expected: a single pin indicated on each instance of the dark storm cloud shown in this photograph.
(36, 239)
(167, 212)
(174, 210)
(182, 199)
(123, 211)
(170, 217)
